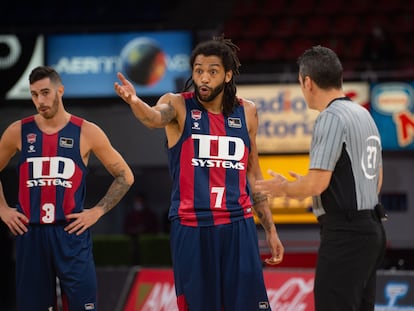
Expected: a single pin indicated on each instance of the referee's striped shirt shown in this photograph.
(346, 141)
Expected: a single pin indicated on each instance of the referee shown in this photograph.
(344, 179)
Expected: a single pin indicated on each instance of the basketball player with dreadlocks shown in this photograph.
(213, 162)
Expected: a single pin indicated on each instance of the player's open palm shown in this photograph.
(124, 89)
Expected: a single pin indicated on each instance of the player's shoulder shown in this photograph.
(245, 102)
(172, 96)
(91, 129)
(76, 120)
(11, 136)
(16, 124)
(14, 128)
(249, 105)
(174, 99)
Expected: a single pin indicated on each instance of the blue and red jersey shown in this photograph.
(51, 172)
(208, 166)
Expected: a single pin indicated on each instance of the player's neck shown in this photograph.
(214, 106)
(55, 124)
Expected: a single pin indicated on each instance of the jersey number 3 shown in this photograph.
(49, 213)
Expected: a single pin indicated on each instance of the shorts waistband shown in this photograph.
(57, 223)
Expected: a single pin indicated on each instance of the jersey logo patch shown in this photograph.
(234, 122)
(66, 142)
(90, 306)
(263, 305)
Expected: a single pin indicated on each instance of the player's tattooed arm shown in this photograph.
(259, 197)
(168, 113)
(79, 222)
(116, 192)
(263, 212)
(261, 208)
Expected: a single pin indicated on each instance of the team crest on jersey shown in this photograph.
(31, 138)
(234, 122)
(196, 114)
(66, 142)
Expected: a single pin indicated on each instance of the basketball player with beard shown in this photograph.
(213, 161)
(50, 222)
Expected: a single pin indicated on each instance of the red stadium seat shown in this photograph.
(335, 44)
(353, 49)
(345, 25)
(245, 8)
(297, 46)
(376, 20)
(285, 27)
(388, 6)
(403, 46)
(248, 49)
(234, 28)
(402, 23)
(272, 49)
(301, 7)
(273, 8)
(329, 7)
(315, 26)
(258, 27)
(358, 7)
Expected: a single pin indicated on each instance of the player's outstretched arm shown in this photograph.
(157, 116)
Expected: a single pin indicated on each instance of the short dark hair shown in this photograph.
(323, 66)
(42, 72)
(226, 50)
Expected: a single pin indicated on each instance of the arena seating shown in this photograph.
(278, 29)
(346, 27)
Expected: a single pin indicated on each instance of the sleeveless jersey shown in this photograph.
(51, 172)
(208, 166)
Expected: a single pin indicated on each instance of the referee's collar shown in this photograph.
(338, 98)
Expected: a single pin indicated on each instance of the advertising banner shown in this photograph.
(288, 290)
(285, 121)
(155, 62)
(284, 209)
(393, 111)
(19, 55)
(395, 291)
(153, 290)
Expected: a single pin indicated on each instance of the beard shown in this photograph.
(213, 92)
(51, 112)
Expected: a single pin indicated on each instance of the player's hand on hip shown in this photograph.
(16, 221)
(82, 221)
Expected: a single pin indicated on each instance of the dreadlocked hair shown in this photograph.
(226, 50)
